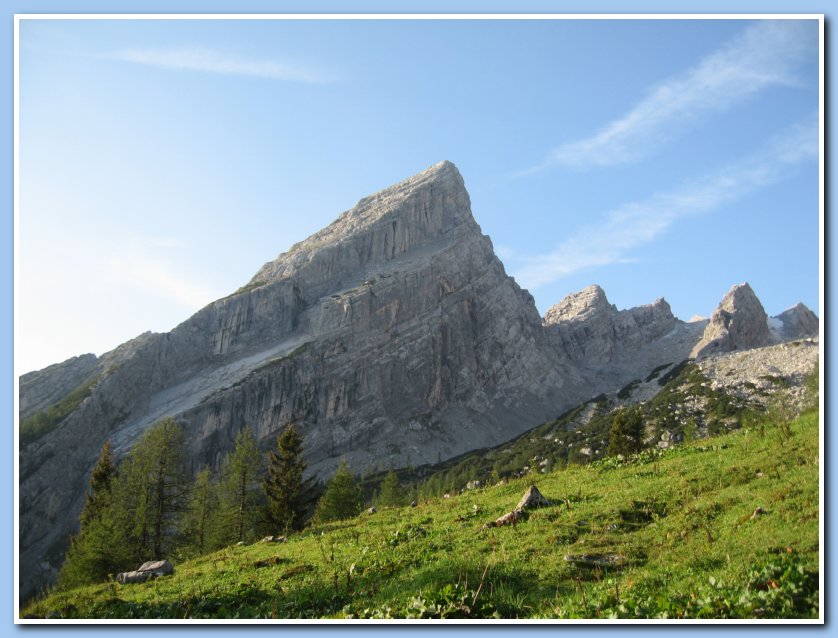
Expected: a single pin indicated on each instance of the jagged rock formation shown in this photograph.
(612, 347)
(798, 322)
(589, 329)
(739, 323)
(392, 337)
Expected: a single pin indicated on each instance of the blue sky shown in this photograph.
(163, 162)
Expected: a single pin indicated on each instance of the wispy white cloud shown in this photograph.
(634, 224)
(158, 278)
(767, 53)
(210, 61)
(153, 266)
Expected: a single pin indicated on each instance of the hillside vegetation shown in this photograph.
(722, 527)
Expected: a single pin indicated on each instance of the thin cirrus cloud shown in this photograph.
(638, 223)
(209, 61)
(148, 265)
(767, 53)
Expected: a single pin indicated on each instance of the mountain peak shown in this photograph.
(423, 209)
(796, 322)
(738, 323)
(579, 305)
(739, 294)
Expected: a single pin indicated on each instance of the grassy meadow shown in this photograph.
(722, 527)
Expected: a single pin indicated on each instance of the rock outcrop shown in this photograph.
(738, 323)
(586, 328)
(798, 322)
(145, 572)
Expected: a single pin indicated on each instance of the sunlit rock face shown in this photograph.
(738, 323)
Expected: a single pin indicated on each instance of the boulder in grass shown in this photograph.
(512, 518)
(146, 571)
(158, 567)
(532, 499)
(136, 576)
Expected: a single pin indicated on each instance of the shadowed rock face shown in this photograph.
(392, 337)
(43, 388)
(798, 322)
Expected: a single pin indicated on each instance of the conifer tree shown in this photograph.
(242, 476)
(90, 556)
(133, 519)
(154, 489)
(342, 498)
(100, 486)
(626, 434)
(283, 486)
(391, 492)
(197, 531)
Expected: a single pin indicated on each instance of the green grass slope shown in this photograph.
(724, 527)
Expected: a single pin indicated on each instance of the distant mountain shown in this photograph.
(392, 337)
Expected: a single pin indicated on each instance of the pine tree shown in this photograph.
(342, 498)
(197, 530)
(626, 434)
(94, 554)
(100, 486)
(242, 475)
(283, 485)
(391, 492)
(91, 557)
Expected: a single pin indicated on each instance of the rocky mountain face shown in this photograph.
(586, 328)
(43, 388)
(798, 322)
(611, 347)
(392, 337)
(739, 323)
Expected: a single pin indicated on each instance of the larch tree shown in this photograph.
(197, 530)
(242, 476)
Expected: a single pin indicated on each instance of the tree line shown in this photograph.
(147, 507)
